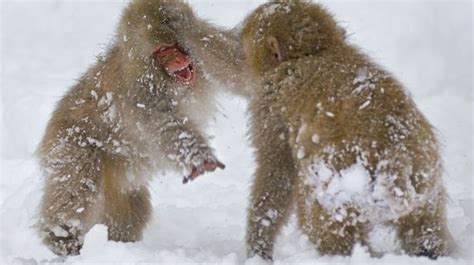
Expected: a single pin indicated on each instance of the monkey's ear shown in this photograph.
(274, 47)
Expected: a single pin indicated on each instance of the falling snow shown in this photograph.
(206, 222)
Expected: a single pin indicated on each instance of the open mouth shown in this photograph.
(177, 63)
(185, 74)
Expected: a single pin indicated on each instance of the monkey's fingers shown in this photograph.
(199, 170)
(220, 165)
(195, 172)
(212, 165)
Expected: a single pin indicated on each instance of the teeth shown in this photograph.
(186, 74)
(184, 67)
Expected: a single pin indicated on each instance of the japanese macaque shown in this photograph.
(140, 108)
(337, 136)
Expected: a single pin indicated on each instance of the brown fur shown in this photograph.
(123, 120)
(218, 51)
(322, 108)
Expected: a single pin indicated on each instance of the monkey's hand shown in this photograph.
(201, 164)
(186, 147)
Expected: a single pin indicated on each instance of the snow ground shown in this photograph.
(46, 45)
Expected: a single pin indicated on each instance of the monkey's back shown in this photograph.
(348, 117)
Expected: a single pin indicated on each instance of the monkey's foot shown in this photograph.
(259, 249)
(62, 240)
(431, 246)
(261, 254)
(432, 251)
(258, 260)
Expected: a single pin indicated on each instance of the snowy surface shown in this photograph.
(45, 46)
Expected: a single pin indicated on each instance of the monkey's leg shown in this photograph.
(424, 231)
(331, 236)
(71, 196)
(126, 212)
(272, 190)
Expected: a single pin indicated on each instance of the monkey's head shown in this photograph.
(279, 31)
(147, 37)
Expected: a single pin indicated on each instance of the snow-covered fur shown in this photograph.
(124, 119)
(338, 135)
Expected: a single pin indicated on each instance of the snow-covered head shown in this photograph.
(283, 30)
(145, 36)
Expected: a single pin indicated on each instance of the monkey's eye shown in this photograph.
(166, 49)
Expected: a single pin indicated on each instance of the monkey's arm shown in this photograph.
(221, 54)
(186, 146)
(73, 176)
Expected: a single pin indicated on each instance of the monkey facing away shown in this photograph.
(140, 108)
(337, 136)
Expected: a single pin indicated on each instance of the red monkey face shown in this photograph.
(177, 63)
